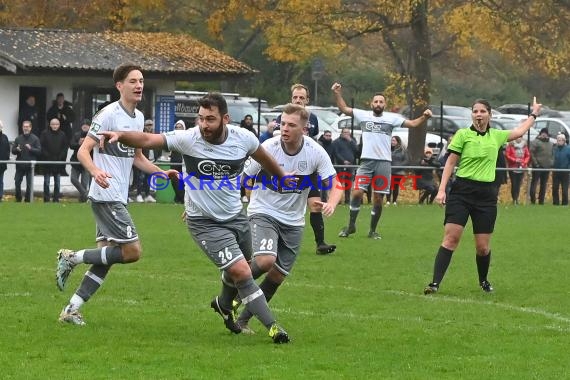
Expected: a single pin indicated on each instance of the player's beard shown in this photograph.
(378, 111)
(213, 137)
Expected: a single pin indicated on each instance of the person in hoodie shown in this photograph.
(80, 178)
(560, 179)
(517, 156)
(4, 155)
(399, 158)
(54, 148)
(26, 147)
(541, 158)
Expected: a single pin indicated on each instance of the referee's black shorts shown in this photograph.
(478, 200)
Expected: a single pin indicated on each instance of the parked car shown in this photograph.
(272, 115)
(446, 126)
(433, 141)
(512, 124)
(554, 126)
(448, 110)
(186, 108)
(257, 103)
(523, 109)
(328, 114)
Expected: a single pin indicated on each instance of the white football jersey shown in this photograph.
(377, 134)
(289, 205)
(212, 178)
(116, 158)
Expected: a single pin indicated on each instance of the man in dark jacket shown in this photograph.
(345, 152)
(80, 177)
(29, 111)
(54, 148)
(541, 158)
(426, 183)
(26, 147)
(4, 155)
(62, 110)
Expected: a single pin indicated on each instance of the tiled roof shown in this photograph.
(39, 50)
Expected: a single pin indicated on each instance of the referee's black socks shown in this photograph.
(442, 260)
(483, 263)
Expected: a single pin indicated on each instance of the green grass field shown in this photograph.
(357, 314)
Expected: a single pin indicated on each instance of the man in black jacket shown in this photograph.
(26, 147)
(54, 148)
(62, 110)
(4, 155)
(80, 178)
(345, 152)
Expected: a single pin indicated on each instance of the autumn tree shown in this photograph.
(411, 34)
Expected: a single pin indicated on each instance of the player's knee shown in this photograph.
(265, 262)
(239, 271)
(131, 252)
(312, 203)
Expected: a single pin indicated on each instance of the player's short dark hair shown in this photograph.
(122, 71)
(291, 109)
(214, 99)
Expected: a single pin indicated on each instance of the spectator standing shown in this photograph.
(63, 111)
(376, 155)
(176, 158)
(80, 178)
(247, 123)
(500, 175)
(561, 160)
(541, 158)
(142, 178)
(54, 148)
(326, 142)
(345, 152)
(399, 158)
(426, 181)
(518, 157)
(29, 111)
(269, 131)
(27, 147)
(4, 156)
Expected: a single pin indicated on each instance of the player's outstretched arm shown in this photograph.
(135, 139)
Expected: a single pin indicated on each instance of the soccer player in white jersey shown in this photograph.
(110, 167)
(214, 154)
(376, 157)
(277, 214)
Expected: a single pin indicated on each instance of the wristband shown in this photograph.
(533, 115)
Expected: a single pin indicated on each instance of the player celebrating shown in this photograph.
(214, 154)
(277, 215)
(110, 168)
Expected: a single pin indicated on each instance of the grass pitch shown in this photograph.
(357, 314)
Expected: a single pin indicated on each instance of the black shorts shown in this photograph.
(474, 199)
(316, 185)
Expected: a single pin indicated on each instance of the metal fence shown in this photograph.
(34, 164)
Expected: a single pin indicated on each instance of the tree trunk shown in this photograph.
(421, 75)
